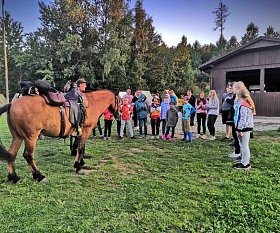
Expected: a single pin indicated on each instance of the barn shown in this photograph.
(257, 64)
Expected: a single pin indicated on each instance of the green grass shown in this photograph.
(144, 186)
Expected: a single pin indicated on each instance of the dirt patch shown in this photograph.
(124, 168)
(136, 150)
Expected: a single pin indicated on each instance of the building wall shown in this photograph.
(250, 60)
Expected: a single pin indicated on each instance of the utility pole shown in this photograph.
(5, 52)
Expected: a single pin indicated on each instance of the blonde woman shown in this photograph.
(213, 112)
(244, 125)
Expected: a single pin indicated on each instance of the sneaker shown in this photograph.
(136, 128)
(157, 137)
(241, 166)
(190, 141)
(168, 136)
(199, 136)
(233, 155)
(162, 136)
(164, 139)
(238, 160)
(101, 136)
(171, 139)
(140, 136)
(108, 138)
(152, 137)
(133, 137)
(120, 138)
(204, 136)
(212, 138)
(104, 138)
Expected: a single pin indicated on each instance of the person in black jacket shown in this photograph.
(134, 99)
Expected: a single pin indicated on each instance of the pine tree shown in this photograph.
(232, 43)
(252, 32)
(270, 32)
(221, 14)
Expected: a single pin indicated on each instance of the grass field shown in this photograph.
(144, 186)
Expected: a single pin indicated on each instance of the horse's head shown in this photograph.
(114, 107)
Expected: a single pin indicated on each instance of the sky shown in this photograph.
(174, 18)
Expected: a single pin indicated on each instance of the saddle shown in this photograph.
(53, 97)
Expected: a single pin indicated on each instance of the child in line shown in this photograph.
(213, 112)
(141, 108)
(164, 108)
(108, 120)
(201, 114)
(188, 110)
(244, 125)
(171, 121)
(125, 111)
(155, 110)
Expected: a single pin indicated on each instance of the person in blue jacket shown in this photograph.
(187, 111)
(141, 109)
(164, 108)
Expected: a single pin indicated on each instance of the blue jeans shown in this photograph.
(143, 121)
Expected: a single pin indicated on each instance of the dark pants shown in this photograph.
(172, 131)
(143, 122)
(99, 128)
(155, 123)
(119, 123)
(201, 119)
(163, 126)
(192, 119)
(211, 124)
(236, 141)
(108, 127)
(135, 120)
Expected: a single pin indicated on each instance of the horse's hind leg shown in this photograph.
(28, 154)
(13, 150)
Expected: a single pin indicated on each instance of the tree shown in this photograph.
(14, 46)
(232, 43)
(221, 14)
(252, 32)
(271, 33)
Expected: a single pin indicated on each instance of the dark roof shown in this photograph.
(208, 65)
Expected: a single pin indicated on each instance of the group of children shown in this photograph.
(240, 109)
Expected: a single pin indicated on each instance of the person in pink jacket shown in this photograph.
(201, 114)
(108, 120)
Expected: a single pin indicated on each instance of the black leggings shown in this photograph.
(201, 119)
(211, 124)
(155, 123)
(108, 127)
(236, 141)
(99, 128)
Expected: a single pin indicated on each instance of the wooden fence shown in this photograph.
(267, 103)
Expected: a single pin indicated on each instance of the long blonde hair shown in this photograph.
(241, 88)
(213, 96)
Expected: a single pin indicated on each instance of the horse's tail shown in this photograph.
(4, 154)
(4, 108)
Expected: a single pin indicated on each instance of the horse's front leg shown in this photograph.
(79, 160)
(28, 154)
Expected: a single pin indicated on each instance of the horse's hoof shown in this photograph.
(45, 180)
(13, 179)
(80, 171)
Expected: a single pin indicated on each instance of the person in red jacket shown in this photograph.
(108, 120)
(125, 111)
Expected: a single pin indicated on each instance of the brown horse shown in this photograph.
(29, 115)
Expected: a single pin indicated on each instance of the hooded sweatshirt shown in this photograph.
(141, 107)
